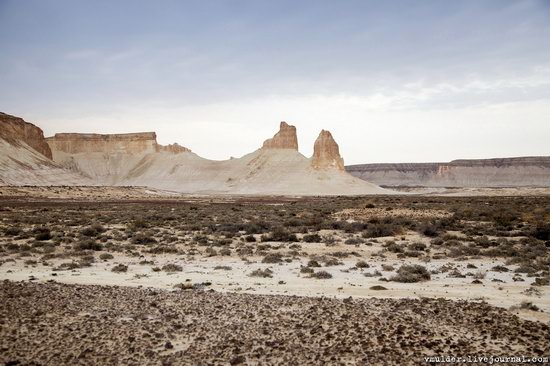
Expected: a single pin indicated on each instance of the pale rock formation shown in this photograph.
(326, 153)
(109, 158)
(125, 143)
(15, 130)
(531, 171)
(284, 139)
(130, 143)
(173, 148)
(277, 168)
(25, 157)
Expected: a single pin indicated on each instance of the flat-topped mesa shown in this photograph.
(326, 153)
(174, 148)
(126, 143)
(284, 139)
(74, 143)
(14, 130)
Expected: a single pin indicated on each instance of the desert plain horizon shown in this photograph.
(297, 241)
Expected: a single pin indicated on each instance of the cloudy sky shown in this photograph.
(394, 81)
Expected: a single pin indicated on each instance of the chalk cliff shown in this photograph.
(276, 168)
(502, 172)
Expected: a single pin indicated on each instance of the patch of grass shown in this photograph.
(312, 238)
(378, 288)
(172, 267)
(528, 305)
(105, 256)
(409, 273)
(280, 234)
(88, 244)
(120, 268)
(321, 275)
(42, 233)
(313, 263)
(250, 239)
(264, 273)
(273, 258)
(143, 238)
(223, 268)
(377, 230)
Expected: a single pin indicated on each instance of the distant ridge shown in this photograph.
(528, 171)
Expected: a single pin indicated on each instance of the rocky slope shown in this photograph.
(25, 157)
(276, 168)
(504, 172)
(15, 130)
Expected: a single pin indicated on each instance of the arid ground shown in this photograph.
(138, 276)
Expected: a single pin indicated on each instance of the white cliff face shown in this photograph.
(276, 168)
(130, 143)
(505, 172)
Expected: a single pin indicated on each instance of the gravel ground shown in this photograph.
(60, 324)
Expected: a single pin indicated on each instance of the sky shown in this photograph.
(394, 81)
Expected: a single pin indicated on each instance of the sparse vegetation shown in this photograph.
(409, 273)
(119, 268)
(322, 275)
(264, 273)
(172, 267)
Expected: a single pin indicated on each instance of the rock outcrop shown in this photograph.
(493, 173)
(286, 138)
(276, 168)
(326, 153)
(15, 130)
(25, 157)
(126, 143)
(173, 148)
(131, 143)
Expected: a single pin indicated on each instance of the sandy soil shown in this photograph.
(147, 193)
(123, 325)
(498, 289)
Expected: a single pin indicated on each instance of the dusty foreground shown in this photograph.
(131, 276)
(40, 324)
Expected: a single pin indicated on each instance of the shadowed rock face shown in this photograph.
(502, 172)
(326, 153)
(284, 139)
(15, 129)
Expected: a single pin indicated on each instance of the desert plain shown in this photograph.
(146, 276)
